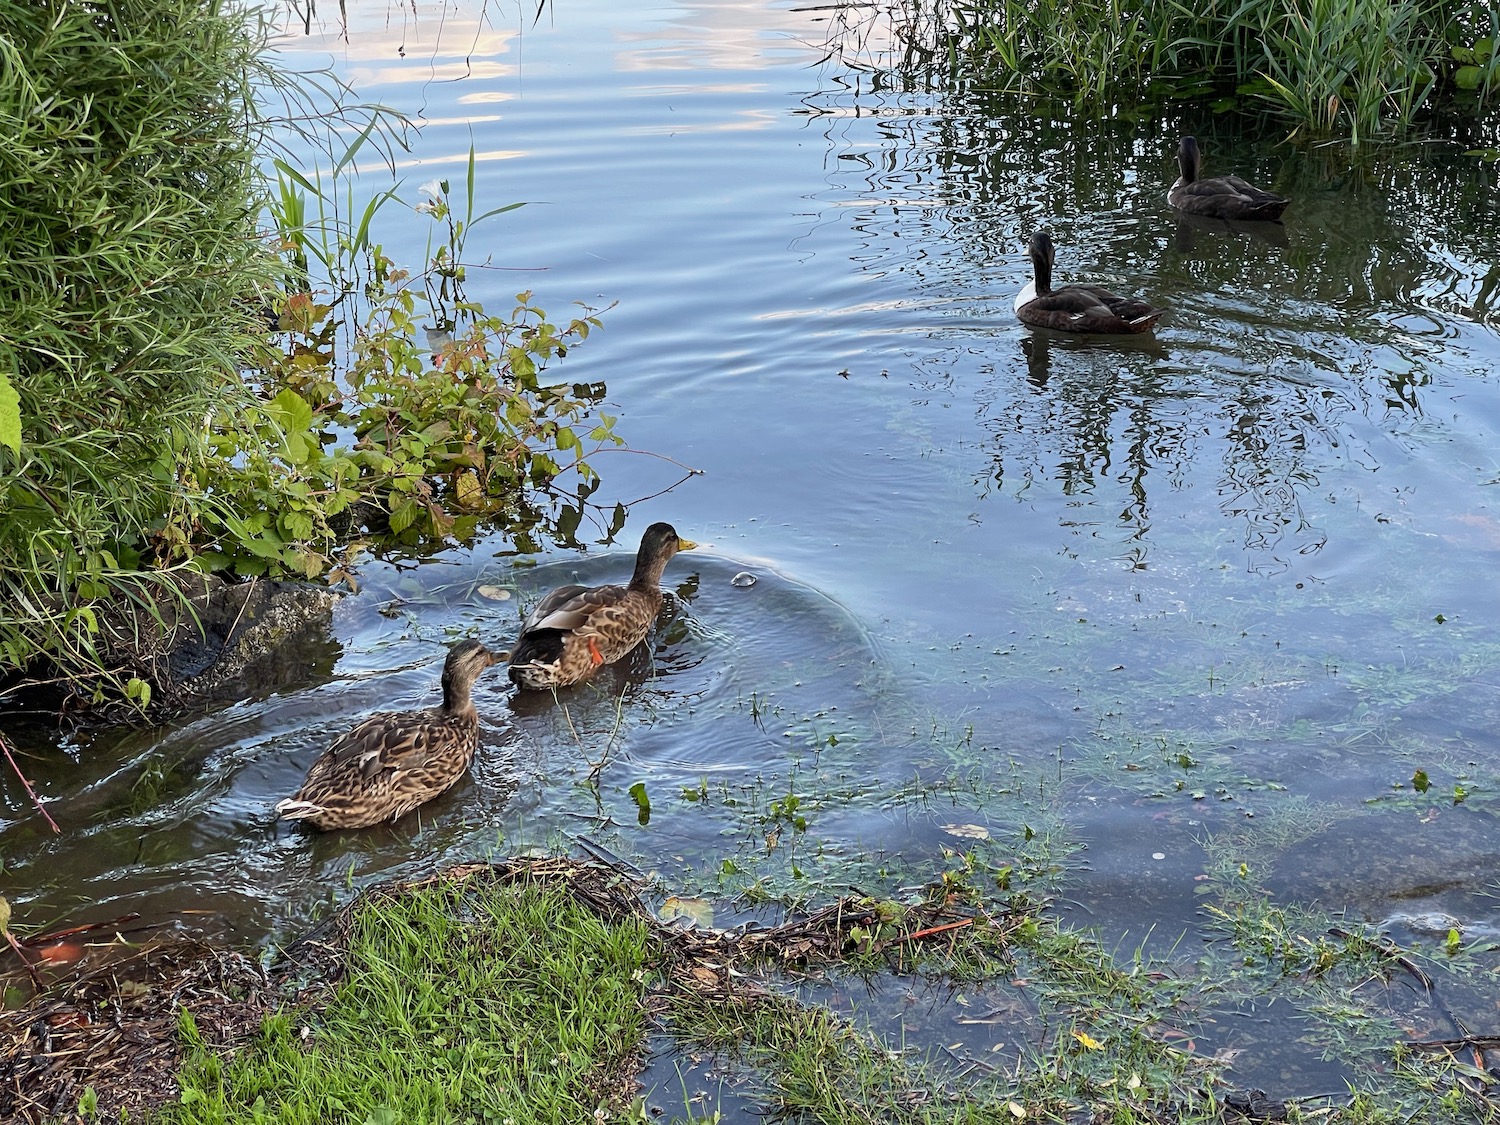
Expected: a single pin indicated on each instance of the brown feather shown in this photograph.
(394, 761)
(1077, 308)
(576, 630)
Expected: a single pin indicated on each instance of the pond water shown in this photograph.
(1205, 599)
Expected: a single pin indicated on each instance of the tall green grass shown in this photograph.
(1354, 68)
(130, 271)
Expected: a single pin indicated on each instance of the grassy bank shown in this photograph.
(131, 275)
(460, 1000)
(525, 991)
(1347, 68)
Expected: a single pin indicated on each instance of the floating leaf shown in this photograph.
(642, 802)
(1419, 781)
(698, 911)
(494, 593)
(63, 953)
(470, 494)
(967, 831)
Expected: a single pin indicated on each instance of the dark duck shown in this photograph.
(1077, 308)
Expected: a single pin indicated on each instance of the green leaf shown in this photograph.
(10, 415)
(138, 690)
(1468, 77)
(642, 802)
(291, 411)
(497, 211)
(296, 525)
(1419, 781)
(403, 516)
(355, 145)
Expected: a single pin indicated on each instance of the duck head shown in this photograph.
(1189, 159)
(1042, 254)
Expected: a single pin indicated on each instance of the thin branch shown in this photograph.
(30, 792)
(36, 978)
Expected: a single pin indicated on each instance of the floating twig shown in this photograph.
(930, 930)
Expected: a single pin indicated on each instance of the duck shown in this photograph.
(1077, 308)
(1219, 197)
(576, 630)
(394, 761)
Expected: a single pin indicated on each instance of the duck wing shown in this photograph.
(390, 741)
(1127, 308)
(569, 608)
(1226, 197)
(1088, 308)
(383, 768)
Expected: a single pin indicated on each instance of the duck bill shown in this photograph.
(685, 544)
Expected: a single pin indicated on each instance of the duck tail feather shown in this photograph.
(297, 810)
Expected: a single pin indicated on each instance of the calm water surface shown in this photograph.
(1207, 599)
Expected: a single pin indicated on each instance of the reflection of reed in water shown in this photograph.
(1089, 414)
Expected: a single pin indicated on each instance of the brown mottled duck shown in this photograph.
(1076, 308)
(576, 630)
(1219, 197)
(396, 760)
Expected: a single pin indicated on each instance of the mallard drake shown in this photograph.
(1076, 308)
(1220, 197)
(576, 630)
(396, 760)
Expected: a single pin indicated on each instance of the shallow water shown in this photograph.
(1210, 596)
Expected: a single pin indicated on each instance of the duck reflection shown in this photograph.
(1037, 345)
(1185, 237)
